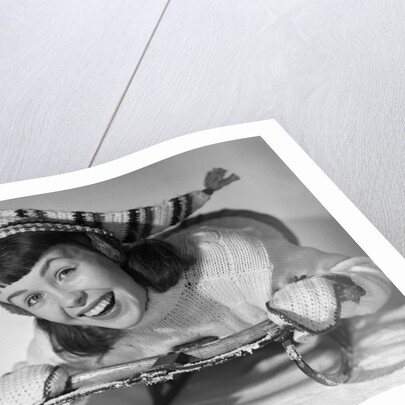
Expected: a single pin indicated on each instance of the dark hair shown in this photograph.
(152, 263)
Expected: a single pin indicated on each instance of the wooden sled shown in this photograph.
(167, 373)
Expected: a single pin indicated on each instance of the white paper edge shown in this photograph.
(339, 206)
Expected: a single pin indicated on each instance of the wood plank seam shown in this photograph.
(129, 83)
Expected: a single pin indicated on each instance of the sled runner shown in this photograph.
(166, 368)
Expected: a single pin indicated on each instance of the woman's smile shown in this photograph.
(76, 286)
(102, 306)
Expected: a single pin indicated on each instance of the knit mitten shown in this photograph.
(32, 385)
(312, 306)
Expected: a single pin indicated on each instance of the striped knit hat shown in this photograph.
(120, 226)
(117, 227)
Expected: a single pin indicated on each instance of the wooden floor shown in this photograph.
(82, 83)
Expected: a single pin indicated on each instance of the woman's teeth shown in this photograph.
(101, 307)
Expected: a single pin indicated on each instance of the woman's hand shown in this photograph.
(312, 306)
(32, 385)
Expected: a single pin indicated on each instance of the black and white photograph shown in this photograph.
(202, 202)
(212, 276)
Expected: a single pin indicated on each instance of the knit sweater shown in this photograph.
(235, 273)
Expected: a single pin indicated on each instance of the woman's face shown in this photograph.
(75, 286)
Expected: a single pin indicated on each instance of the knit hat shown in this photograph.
(120, 226)
(112, 229)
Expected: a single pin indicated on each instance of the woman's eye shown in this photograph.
(34, 299)
(64, 273)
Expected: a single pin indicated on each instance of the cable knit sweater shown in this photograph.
(236, 272)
